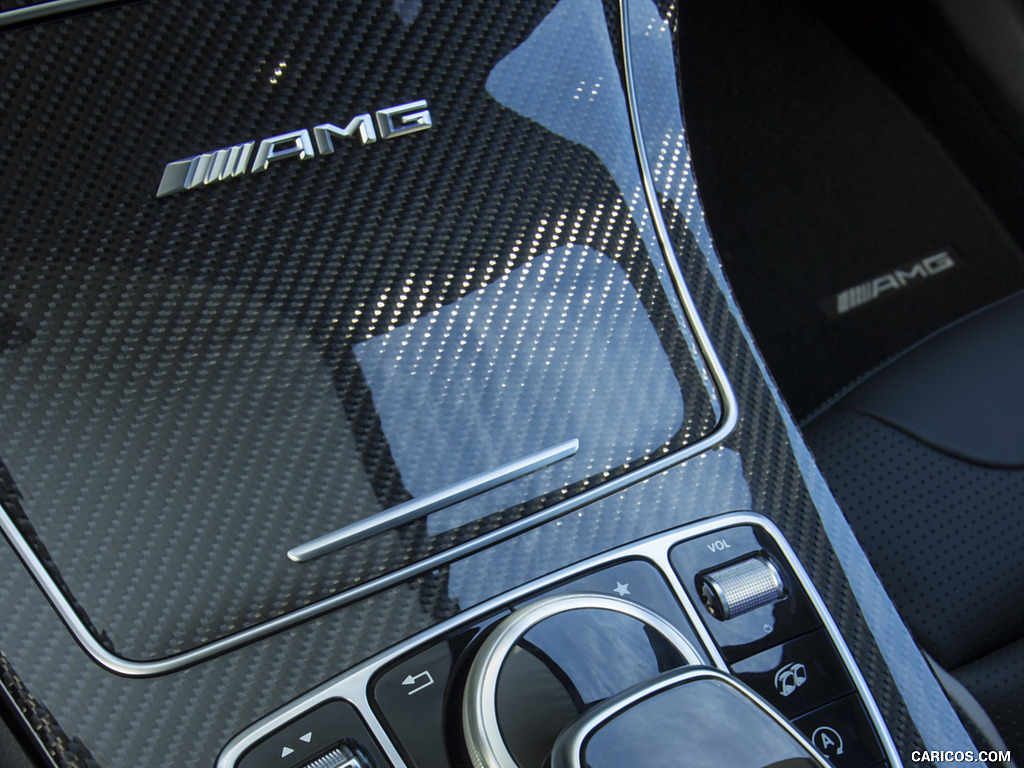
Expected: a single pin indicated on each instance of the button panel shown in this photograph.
(777, 644)
(318, 732)
(842, 732)
(761, 628)
(410, 696)
(798, 676)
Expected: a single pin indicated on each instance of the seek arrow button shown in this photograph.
(334, 726)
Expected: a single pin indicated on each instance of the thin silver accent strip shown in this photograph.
(728, 398)
(43, 10)
(353, 686)
(567, 753)
(480, 725)
(130, 668)
(416, 508)
(729, 416)
(725, 427)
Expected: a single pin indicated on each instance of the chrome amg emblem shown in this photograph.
(227, 163)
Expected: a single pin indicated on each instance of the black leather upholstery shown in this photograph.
(944, 535)
(961, 391)
(926, 458)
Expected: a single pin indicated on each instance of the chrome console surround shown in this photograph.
(354, 685)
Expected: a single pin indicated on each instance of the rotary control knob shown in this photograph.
(550, 661)
(741, 587)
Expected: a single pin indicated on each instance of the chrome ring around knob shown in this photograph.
(481, 730)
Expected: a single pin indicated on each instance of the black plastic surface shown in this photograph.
(313, 734)
(762, 627)
(12, 752)
(798, 676)
(565, 665)
(637, 581)
(842, 732)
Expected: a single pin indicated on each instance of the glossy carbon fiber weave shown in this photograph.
(56, 743)
(201, 381)
(778, 489)
(777, 485)
(184, 718)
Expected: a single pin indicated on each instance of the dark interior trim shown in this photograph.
(46, 10)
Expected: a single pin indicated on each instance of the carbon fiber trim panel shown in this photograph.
(186, 717)
(50, 737)
(269, 358)
(899, 671)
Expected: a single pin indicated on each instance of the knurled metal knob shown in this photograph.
(741, 587)
(339, 757)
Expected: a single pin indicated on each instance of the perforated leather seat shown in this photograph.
(926, 458)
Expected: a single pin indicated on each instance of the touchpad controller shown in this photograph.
(514, 680)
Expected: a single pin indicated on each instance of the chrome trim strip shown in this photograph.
(727, 395)
(416, 508)
(43, 10)
(726, 425)
(729, 408)
(568, 752)
(353, 686)
(888, 746)
(131, 668)
(480, 725)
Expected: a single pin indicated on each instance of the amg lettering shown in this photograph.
(227, 163)
(940, 262)
(295, 144)
(363, 124)
(918, 270)
(899, 279)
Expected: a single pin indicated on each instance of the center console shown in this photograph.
(725, 600)
(373, 397)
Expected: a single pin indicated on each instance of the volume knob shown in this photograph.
(741, 587)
